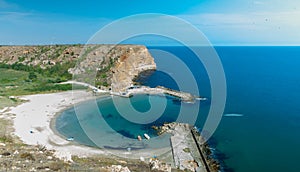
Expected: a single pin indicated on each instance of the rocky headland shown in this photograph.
(112, 67)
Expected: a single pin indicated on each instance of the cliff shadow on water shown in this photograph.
(154, 78)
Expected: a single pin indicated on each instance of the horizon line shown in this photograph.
(164, 45)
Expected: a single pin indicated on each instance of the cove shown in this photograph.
(99, 123)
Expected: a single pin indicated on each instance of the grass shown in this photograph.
(14, 83)
(6, 102)
(4, 133)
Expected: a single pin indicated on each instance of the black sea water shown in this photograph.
(259, 130)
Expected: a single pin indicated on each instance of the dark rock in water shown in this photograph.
(226, 169)
(217, 156)
(220, 156)
(109, 116)
(176, 101)
(126, 133)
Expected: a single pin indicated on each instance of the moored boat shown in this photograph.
(146, 136)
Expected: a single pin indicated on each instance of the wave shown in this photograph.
(233, 115)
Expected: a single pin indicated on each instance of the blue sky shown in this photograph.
(224, 22)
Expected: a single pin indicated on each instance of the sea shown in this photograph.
(260, 126)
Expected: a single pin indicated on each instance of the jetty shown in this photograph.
(187, 150)
(184, 96)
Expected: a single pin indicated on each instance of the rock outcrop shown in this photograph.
(128, 67)
(114, 66)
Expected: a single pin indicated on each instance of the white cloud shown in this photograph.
(257, 27)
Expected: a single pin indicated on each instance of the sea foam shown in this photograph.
(233, 115)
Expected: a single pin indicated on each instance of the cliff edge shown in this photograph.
(111, 67)
(129, 66)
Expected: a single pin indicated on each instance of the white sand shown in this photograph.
(36, 114)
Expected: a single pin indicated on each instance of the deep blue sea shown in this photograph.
(263, 86)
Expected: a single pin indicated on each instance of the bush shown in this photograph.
(6, 139)
(32, 76)
(27, 155)
(187, 150)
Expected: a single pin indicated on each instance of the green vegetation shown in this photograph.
(57, 70)
(102, 74)
(187, 150)
(19, 79)
(27, 156)
(5, 137)
(32, 76)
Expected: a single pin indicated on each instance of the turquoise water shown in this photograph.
(261, 129)
(102, 124)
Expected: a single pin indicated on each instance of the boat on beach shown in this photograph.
(139, 137)
(146, 136)
(70, 139)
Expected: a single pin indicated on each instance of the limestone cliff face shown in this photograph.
(115, 66)
(129, 66)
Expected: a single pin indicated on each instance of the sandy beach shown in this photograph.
(32, 122)
(33, 119)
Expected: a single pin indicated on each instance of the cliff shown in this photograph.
(115, 66)
(107, 66)
(129, 66)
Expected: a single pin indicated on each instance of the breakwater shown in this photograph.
(184, 96)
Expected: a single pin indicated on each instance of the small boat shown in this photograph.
(70, 139)
(146, 136)
(139, 137)
(201, 98)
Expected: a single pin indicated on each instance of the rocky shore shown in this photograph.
(186, 140)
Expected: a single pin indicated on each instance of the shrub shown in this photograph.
(27, 155)
(32, 76)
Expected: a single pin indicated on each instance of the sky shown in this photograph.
(223, 22)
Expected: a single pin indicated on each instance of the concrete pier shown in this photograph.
(185, 152)
(184, 149)
(187, 97)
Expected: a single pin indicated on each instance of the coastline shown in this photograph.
(34, 124)
(33, 120)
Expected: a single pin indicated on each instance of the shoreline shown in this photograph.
(52, 123)
(33, 119)
(34, 124)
